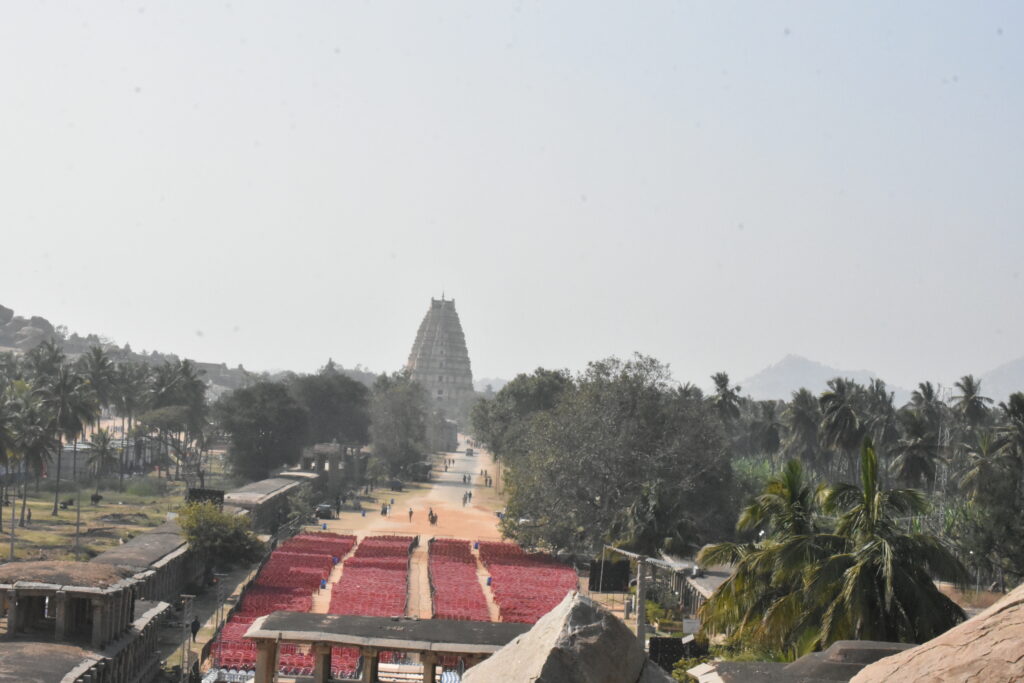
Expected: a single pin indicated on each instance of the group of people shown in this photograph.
(467, 498)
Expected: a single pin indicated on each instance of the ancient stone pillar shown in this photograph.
(12, 612)
(321, 663)
(371, 664)
(60, 615)
(429, 667)
(266, 661)
(98, 625)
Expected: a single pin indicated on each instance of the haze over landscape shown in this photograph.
(718, 187)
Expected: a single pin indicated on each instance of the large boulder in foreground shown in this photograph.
(576, 642)
(989, 647)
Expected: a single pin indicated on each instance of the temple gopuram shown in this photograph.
(439, 360)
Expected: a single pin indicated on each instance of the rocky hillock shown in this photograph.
(576, 642)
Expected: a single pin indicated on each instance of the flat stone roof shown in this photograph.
(259, 491)
(420, 635)
(31, 662)
(712, 578)
(60, 573)
(146, 548)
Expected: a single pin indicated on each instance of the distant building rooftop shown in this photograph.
(259, 492)
(57, 573)
(145, 549)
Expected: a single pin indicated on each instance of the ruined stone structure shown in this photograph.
(439, 360)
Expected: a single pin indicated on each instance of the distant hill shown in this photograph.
(1004, 380)
(780, 380)
(20, 334)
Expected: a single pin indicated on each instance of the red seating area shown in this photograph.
(453, 581)
(375, 579)
(526, 586)
(286, 582)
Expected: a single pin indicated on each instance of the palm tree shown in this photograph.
(987, 463)
(102, 454)
(970, 404)
(882, 587)
(34, 439)
(916, 450)
(7, 444)
(761, 605)
(802, 418)
(130, 392)
(97, 368)
(842, 427)
(726, 399)
(72, 405)
(43, 362)
(803, 587)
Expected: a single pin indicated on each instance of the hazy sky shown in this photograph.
(716, 184)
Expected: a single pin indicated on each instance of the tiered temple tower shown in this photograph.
(439, 360)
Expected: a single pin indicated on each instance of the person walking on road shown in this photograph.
(410, 515)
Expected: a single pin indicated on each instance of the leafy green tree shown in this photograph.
(130, 394)
(398, 421)
(266, 427)
(622, 457)
(219, 538)
(502, 422)
(337, 405)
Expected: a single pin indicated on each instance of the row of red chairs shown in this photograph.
(286, 582)
(453, 580)
(375, 580)
(526, 586)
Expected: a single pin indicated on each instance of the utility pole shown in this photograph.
(186, 632)
(641, 601)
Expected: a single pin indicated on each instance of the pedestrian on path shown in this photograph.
(410, 515)
(195, 628)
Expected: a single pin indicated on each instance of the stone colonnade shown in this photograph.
(266, 662)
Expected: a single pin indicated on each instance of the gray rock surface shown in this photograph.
(576, 642)
(5, 315)
(989, 648)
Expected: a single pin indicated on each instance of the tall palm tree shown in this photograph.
(34, 439)
(102, 455)
(98, 370)
(987, 463)
(130, 395)
(72, 405)
(802, 418)
(803, 587)
(970, 405)
(842, 426)
(882, 586)
(916, 450)
(7, 443)
(726, 399)
(43, 361)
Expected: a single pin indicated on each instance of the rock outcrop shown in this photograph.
(988, 647)
(576, 642)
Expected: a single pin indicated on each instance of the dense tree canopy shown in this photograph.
(266, 426)
(616, 454)
(398, 422)
(337, 406)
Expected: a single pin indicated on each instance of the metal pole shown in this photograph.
(641, 602)
(600, 582)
